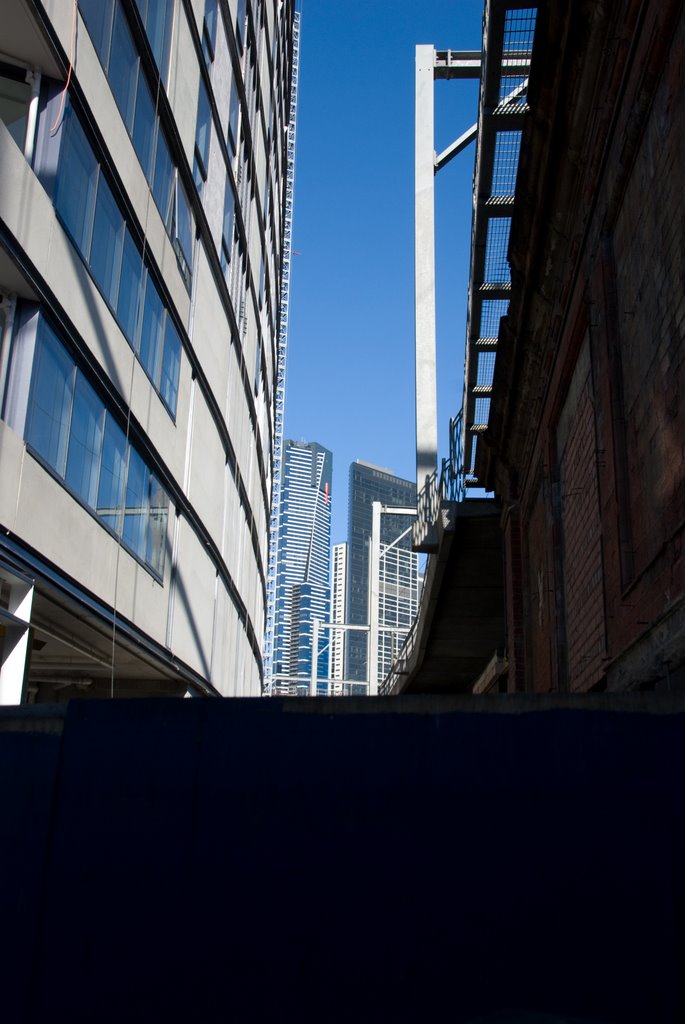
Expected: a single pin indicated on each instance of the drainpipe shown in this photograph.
(9, 306)
(33, 78)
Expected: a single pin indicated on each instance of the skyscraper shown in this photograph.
(142, 187)
(399, 569)
(338, 602)
(302, 566)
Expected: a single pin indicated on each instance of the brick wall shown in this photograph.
(590, 401)
(580, 530)
(539, 604)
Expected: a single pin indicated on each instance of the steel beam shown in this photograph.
(424, 272)
(461, 143)
(374, 597)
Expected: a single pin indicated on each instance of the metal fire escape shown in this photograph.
(279, 396)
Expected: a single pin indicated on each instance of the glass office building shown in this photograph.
(399, 568)
(142, 190)
(302, 567)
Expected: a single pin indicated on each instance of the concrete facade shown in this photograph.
(586, 434)
(180, 124)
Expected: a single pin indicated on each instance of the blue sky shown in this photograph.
(350, 376)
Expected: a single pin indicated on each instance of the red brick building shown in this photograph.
(586, 438)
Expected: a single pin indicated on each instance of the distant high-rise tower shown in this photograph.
(370, 483)
(302, 570)
(338, 600)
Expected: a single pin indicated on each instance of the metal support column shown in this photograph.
(374, 597)
(424, 272)
(315, 657)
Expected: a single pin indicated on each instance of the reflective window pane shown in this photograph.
(47, 422)
(202, 130)
(144, 126)
(136, 510)
(164, 178)
(233, 120)
(240, 22)
(97, 15)
(159, 513)
(151, 332)
(123, 67)
(129, 288)
(209, 30)
(110, 498)
(184, 224)
(85, 441)
(107, 244)
(171, 362)
(76, 183)
(229, 215)
(159, 15)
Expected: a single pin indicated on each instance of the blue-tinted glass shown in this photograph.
(229, 215)
(233, 120)
(171, 362)
(159, 513)
(97, 15)
(240, 22)
(151, 333)
(129, 288)
(123, 67)
(136, 511)
(110, 498)
(184, 224)
(204, 118)
(209, 30)
(107, 243)
(164, 178)
(85, 441)
(47, 422)
(144, 126)
(158, 18)
(76, 182)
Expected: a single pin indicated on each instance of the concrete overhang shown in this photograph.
(460, 624)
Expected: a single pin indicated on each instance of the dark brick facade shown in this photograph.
(587, 426)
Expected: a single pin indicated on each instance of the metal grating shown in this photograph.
(519, 32)
(486, 369)
(508, 45)
(505, 165)
(497, 243)
(482, 412)
(492, 311)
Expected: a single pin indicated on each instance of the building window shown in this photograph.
(123, 68)
(112, 38)
(240, 23)
(182, 229)
(209, 30)
(71, 429)
(227, 229)
(233, 112)
(87, 207)
(107, 242)
(97, 15)
(76, 183)
(158, 17)
(143, 135)
(202, 133)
